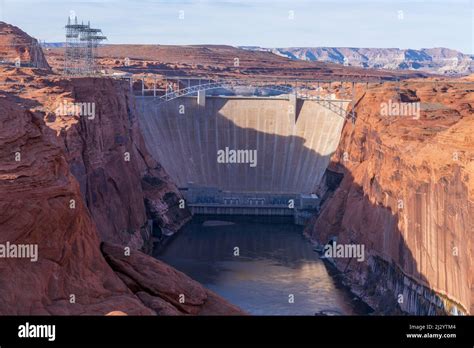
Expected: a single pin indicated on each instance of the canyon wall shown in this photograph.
(128, 194)
(36, 189)
(74, 171)
(42, 205)
(407, 195)
(122, 185)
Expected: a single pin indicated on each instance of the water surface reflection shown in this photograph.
(275, 262)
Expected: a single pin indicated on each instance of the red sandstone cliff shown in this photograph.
(35, 208)
(121, 183)
(41, 204)
(123, 187)
(407, 194)
(16, 44)
(65, 184)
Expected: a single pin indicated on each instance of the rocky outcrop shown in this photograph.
(128, 194)
(163, 288)
(407, 195)
(74, 171)
(15, 45)
(41, 205)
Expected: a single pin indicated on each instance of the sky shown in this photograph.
(267, 23)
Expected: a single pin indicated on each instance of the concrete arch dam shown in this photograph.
(292, 144)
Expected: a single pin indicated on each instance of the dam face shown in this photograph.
(291, 154)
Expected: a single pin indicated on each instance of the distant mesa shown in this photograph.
(430, 60)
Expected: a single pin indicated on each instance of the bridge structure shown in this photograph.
(331, 94)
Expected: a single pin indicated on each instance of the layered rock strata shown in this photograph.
(407, 195)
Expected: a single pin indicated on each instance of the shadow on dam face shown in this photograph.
(291, 157)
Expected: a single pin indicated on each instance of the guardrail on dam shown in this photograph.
(292, 150)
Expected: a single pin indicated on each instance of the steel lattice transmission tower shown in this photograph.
(81, 48)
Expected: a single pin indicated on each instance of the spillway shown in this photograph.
(293, 147)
